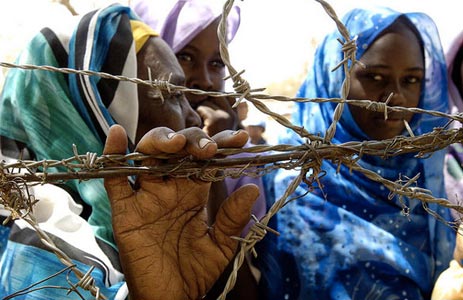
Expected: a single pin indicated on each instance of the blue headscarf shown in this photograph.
(355, 243)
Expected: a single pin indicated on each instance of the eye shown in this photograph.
(177, 94)
(376, 77)
(174, 96)
(371, 76)
(218, 63)
(185, 57)
(155, 95)
(412, 79)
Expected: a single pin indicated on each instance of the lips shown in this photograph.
(393, 116)
(196, 100)
(398, 117)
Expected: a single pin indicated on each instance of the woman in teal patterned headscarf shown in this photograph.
(351, 240)
(50, 111)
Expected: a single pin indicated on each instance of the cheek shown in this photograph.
(161, 115)
(363, 91)
(171, 116)
(358, 114)
(217, 80)
(413, 97)
(187, 70)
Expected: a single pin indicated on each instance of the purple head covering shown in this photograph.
(179, 21)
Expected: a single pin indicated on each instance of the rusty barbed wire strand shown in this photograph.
(90, 165)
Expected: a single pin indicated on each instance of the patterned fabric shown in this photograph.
(49, 112)
(350, 241)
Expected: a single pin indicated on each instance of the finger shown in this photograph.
(234, 214)
(231, 101)
(199, 144)
(217, 116)
(231, 139)
(161, 140)
(116, 143)
(219, 103)
(458, 252)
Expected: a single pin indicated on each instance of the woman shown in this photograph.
(48, 112)
(346, 239)
(190, 28)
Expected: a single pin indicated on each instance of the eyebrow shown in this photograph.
(383, 66)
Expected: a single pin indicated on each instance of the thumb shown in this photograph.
(234, 214)
(116, 143)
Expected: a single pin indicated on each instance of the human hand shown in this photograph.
(217, 115)
(166, 249)
(449, 284)
(458, 252)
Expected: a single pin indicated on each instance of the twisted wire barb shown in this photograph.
(349, 48)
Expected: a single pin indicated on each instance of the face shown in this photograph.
(255, 132)
(394, 63)
(202, 64)
(168, 110)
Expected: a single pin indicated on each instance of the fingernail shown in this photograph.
(171, 135)
(204, 142)
(236, 132)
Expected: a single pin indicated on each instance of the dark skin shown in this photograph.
(166, 247)
(394, 63)
(161, 229)
(205, 70)
(174, 111)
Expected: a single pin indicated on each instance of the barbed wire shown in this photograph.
(16, 177)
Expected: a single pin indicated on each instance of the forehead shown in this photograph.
(206, 41)
(157, 58)
(397, 45)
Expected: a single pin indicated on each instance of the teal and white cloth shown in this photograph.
(49, 112)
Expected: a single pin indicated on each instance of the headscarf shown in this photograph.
(51, 111)
(179, 21)
(350, 241)
(454, 158)
(456, 101)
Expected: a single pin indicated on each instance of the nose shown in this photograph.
(192, 119)
(200, 78)
(397, 98)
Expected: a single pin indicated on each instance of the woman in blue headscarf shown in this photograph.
(347, 239)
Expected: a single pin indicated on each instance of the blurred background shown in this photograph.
(274, 45)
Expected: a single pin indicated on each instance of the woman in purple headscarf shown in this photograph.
(190, 28)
